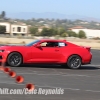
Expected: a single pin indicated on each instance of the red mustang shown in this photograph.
(47, 52)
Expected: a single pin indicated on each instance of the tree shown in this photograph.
(64, 35)
(81, 34)
(48, 32)
(71, 33)
(33, 30)
(3, 14)
(2, 29)
(61, 31)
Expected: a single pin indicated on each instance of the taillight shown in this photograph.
(88, 48)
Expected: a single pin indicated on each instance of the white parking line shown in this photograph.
(92, 65)
(91, 91)
(10, 83)
(57, 74)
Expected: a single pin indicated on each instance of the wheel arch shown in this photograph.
(75, 55)
(15, 52)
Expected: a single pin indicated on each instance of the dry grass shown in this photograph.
(92, 45)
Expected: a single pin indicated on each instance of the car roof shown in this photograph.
(53, 40)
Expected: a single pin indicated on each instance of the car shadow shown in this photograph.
(88, 67)
(42, 66)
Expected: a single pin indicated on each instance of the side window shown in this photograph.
(49, 44)
(43, 44)
(61, 44)
(13, 29)
(24, 30)
(53, 44)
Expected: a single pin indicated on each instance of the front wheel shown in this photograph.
(74, 62)
(14, 59)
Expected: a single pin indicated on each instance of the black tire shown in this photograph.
(14, 59)
(74, 62)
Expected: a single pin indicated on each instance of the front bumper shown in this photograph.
(3, 57)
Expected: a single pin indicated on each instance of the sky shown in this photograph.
(89, 8)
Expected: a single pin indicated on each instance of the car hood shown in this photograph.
(10, 46)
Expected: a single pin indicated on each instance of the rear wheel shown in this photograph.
(14, 59)
(74, 62)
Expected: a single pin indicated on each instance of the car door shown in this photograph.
(46, 54)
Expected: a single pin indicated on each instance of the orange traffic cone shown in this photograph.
(2, 68)
(12, 74)
(19, 79)
(2, 65)
(7, 69)
(30, 87)
(3, 61)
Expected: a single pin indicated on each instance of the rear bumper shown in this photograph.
(85, 63)
(87, 59)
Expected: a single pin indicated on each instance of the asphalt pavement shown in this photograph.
(80, 84)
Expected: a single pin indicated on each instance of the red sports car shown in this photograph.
(47, 52)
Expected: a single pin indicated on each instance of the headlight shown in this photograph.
(2, 50)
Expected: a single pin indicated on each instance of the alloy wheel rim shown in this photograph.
(75, 62)
(15, 59)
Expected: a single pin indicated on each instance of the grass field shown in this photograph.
(95, 44)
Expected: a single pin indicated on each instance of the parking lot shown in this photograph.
(81, 84)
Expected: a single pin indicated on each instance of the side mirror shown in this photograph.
(38, 46)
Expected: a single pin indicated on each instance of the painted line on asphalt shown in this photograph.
(92, 91)
(70, 89)
(63, 75)
(73, 89)
(10, 83)
(91, 65)
(56, 74)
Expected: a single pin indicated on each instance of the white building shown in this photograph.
(14, 29)
(8, 26)
(90, 33)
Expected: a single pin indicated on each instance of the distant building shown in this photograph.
(90, 33)
(16, 28)
(76, 27)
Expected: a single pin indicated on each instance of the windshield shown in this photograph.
(32, 43)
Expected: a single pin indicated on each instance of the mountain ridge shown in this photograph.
(49, 15)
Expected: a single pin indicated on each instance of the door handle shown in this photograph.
(56, 50)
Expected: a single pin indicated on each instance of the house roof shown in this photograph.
(77, 27)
